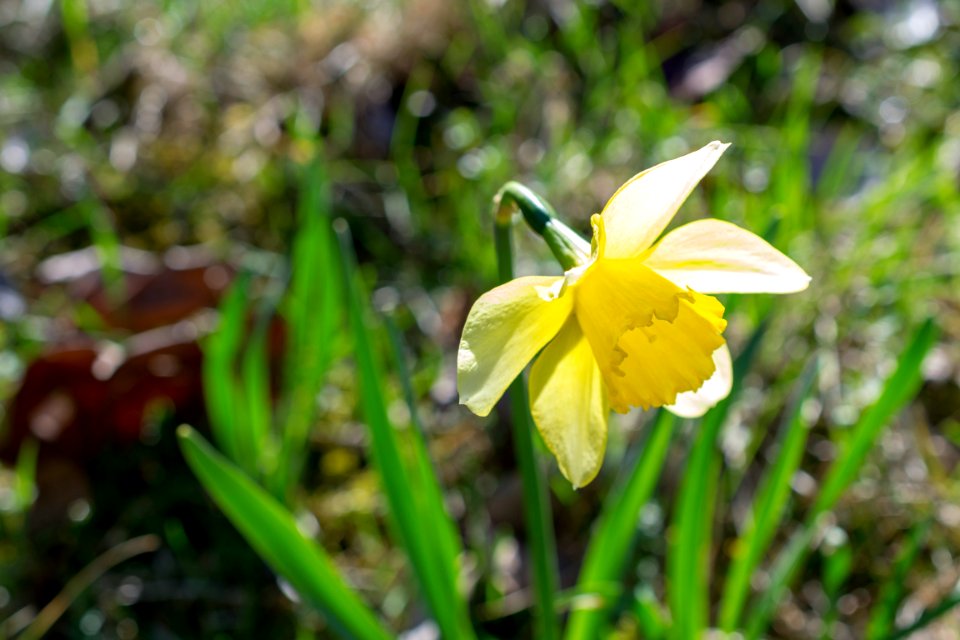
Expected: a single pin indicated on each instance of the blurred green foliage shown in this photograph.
(160, 124)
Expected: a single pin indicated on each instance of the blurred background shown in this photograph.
(152, 159)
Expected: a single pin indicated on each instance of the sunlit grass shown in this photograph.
(692, 525)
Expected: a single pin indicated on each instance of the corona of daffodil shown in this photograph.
(633, 325)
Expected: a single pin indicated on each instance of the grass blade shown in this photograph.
(220, 385)
(652, 622)
(74, 588)
(429, 492)
(616, 529)
(103, 233)
(273, 533)
(255, 382)
(312, 312)
(843, 167)
(437, 582)
(897, 391)
(884, 613)
(768, 507)
(929, 615)
(687, 561)
(790, 179)
(837, 562)
(76, 25)
(25, 475)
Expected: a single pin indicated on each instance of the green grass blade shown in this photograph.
(437, 583)
(929, 615)
(897, 391)
(429, 492)
(687, 562)
(25, 475)
(650, 618)
(616, 530)
(403, 149)
(312, 312)
(273, 533)
(104, 236)
(790, 178)
(255, 380)
(843, 167)
(768, 507)
(76, 25)
(837, 562)
(220, 385)
(688, 555)
(782, 573)
(884, 613)
(537, 516)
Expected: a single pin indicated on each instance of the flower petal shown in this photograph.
(506, 327)
(569, 405)
(667, 359)
(652, 339)
(693, 404)
(713, 256)
(642, 208)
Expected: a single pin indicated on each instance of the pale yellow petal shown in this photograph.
(568, 404)
(652, 339)
(506, 327)
(713, 256)
(693, 404)
(642, 208)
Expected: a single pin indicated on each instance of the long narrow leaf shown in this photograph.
(884, 614)
(221, 388)
(75, 586)
(429, 493)
(25, 475)
(897, 391)
(687, 562)
(837, 562)
(255, 378)
(437, 582)
(768, 507)
(652, 622)
(312, 312)
(790, 179)
(107, 242)
(616, 530)
(929, 615)
(273, 533)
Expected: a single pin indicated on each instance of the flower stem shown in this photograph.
(568, 248)
(536, 499)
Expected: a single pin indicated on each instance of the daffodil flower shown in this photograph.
(632, 325)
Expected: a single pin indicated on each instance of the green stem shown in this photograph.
(536, 502)
(568, 248)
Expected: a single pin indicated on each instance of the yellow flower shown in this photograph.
(633, 326)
